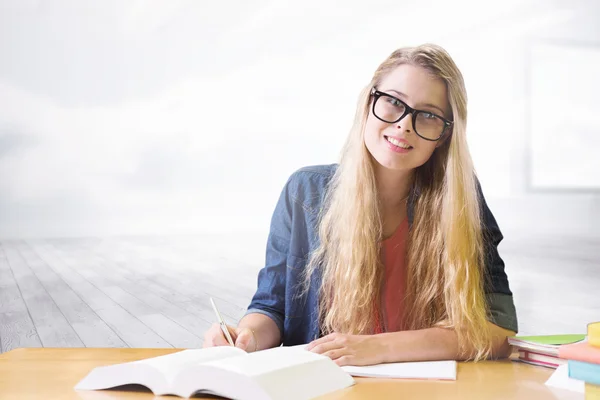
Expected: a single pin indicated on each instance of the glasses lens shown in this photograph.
(388, 109)
(429, 125)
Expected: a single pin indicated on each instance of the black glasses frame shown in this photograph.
(408, 110)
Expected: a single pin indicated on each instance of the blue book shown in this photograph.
(585, 371)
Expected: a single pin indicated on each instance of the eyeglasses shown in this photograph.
(390, 109)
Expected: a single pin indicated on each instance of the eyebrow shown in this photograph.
(425, 105)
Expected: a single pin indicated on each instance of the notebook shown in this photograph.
(437, 370)
(584, 371)
(440, 370)
(278, 373)
(594, 334)
(545, 344)
(581, 352)
(541, 360)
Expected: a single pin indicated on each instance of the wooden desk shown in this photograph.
(46, 373)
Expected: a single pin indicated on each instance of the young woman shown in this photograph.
(392, 254)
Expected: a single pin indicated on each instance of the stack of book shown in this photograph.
(584, 361)
(543, 350)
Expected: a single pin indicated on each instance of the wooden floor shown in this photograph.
(154, 291)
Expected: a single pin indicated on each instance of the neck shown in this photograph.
(393, 186)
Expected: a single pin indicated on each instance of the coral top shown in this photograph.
(393, 253)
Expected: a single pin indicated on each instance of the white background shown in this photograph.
(112, 116)
(565, 123)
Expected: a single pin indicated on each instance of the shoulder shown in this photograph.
(308, 185)
(312, 176)
(318, 171)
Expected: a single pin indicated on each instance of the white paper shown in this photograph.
(443, 370)
(560, 379)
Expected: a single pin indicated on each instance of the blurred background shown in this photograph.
(154, 137)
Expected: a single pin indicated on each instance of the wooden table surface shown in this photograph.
(51, 373)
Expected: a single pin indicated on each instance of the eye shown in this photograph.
(427, 115)
(393, 101)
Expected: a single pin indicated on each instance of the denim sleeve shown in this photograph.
(499, 297)
(269, 298)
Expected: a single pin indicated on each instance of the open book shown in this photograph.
(278, 373)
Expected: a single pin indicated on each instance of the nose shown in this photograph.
(406, 123)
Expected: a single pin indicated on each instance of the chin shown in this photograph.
(391, 164)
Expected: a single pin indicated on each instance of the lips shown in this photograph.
(401, 143)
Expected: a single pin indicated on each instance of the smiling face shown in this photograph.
(396, 146)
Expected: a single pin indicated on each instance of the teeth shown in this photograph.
(397, 143)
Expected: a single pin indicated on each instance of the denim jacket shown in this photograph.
(294, 235)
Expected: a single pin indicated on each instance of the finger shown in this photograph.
(243, 339)
(344, 360)
(233, 332)
(215, 337)
(208, 336)
(322, 340)
(336, 353)
(219, 340)
(325, 347)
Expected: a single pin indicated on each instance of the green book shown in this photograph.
(544, 344)
(556, 340)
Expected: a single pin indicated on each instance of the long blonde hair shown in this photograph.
(445, 278)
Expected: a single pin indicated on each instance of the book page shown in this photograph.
(443, 370)
(265, 361)
(560, 379)
(170, 364)
(277, 373)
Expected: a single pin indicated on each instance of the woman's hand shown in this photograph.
(243, 338)
(350, 349)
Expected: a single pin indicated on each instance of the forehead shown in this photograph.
(419, 86)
